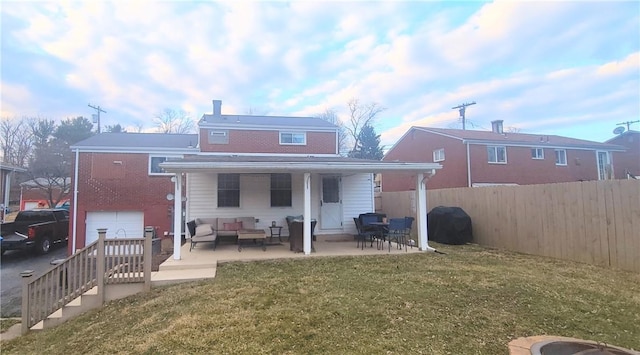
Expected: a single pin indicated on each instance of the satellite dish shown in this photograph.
(618, 130)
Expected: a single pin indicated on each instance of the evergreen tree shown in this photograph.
(368, 145)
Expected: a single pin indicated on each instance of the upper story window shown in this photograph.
(154, 165)
(293, 138)
(280, 190)
(228, 190)
(537, 153)
(561, 157)
(497, 155)
(218, 136)
(438, 155)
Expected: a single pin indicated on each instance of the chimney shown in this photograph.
(217, 108)
(496, 126)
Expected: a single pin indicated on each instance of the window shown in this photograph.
(561, 157)
(228, 190)
(280, 190)
(438, 155)
(294, 138)
(154, 166)
(497, 155)
(218, 136)
(537, 153)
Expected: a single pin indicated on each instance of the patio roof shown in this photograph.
(253, 164)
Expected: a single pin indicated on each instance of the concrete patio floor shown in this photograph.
(201, 262)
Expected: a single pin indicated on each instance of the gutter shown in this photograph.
(468, 166)
(75, 203)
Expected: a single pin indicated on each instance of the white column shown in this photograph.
(307, 214)
(421, 213)
(177, 216)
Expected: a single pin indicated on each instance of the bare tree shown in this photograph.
(360, 115)
(331, 116)
(16, 140)
(174, 121)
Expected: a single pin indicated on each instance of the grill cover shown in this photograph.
(449, 225)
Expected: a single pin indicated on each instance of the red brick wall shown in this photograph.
(521, 169)
(106, 186)
(418, 146)
(629, 160)
(255, 141)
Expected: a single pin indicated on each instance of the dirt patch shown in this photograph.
(159, 259)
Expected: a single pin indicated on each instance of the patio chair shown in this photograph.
(396, 232)
(408, 222)
(363, 236)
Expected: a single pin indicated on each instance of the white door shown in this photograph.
(331, 203)
(119, 224)
(30, 205)
(604, 166)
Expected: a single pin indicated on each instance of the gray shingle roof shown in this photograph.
(139, 141)
(278, 121)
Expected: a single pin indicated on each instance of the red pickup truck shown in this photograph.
(35, 229)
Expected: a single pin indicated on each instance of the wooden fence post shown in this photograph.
(146, 257)
(26, 306)
(100, 265)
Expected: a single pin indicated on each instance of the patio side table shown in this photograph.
(276, 231)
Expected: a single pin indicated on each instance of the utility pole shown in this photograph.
(98, 109)
(462, 108)
(627, 123)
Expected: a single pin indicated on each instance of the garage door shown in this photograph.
(120, 224)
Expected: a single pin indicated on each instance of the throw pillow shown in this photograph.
(233, 226)
(203, 229)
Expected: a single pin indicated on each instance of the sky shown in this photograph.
(569, 68)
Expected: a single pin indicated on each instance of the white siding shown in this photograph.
(255, 199)
(357, 197)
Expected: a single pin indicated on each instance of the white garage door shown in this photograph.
(121, 224)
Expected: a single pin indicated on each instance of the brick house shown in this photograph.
(267, 167)
(482, 158)
(34, 195)
(626, 164)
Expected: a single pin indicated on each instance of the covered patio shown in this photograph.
(201, 262)
(306, 168)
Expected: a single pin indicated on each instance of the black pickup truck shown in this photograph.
(35, 229)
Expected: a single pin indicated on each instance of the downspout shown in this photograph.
(468, 166)
(75, 204)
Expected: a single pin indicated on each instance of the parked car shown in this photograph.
(37, 230)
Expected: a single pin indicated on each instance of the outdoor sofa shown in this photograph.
(211, 229)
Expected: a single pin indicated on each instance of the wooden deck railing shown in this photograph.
(104, 262)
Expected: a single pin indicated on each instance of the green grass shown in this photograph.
(470, 301)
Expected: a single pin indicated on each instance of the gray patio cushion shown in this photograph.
(203, 230)
(247, 222)
(212, 221)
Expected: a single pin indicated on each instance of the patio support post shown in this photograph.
(421, 212)
(177, 216)
(307, 214)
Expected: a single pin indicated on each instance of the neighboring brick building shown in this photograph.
(482, 158)
(627, 164)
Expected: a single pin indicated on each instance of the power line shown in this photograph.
(98, 109)
(627, 123)
(462, 108)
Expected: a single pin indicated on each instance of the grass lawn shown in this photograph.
(471, 301)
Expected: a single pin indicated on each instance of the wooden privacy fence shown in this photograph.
(595, 222)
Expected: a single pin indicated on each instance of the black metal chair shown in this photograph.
(363, 235)
(408, 223)
(396, 232)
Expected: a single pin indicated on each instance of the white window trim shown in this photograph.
(541, 157)
(304, 135)
(496, 148)
(438, 159)
(556, 157)
(151, 156)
